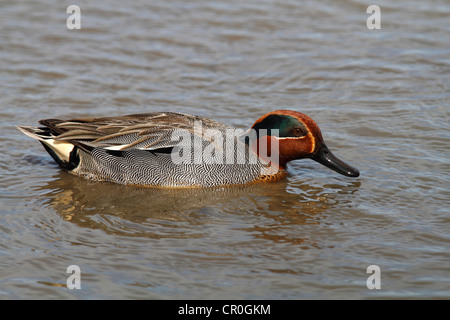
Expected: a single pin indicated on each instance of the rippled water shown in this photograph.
(381, 98)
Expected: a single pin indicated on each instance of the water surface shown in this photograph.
(381, 98)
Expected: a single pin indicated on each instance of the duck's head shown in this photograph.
(298, 137)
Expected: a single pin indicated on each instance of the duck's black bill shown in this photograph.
(324, 156)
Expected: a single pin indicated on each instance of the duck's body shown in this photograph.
(166, 149)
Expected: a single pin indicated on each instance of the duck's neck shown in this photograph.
(268, 151)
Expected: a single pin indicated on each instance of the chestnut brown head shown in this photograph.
(298, 137)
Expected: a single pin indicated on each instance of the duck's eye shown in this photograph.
(298, 132)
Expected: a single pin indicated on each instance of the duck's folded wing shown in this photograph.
(152, 131)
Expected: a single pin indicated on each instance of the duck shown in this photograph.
(178, 150)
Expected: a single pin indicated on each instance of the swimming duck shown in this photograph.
(168, 149)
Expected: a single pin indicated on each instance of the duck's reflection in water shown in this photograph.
(263, 210)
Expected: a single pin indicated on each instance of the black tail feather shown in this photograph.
(74, 159)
